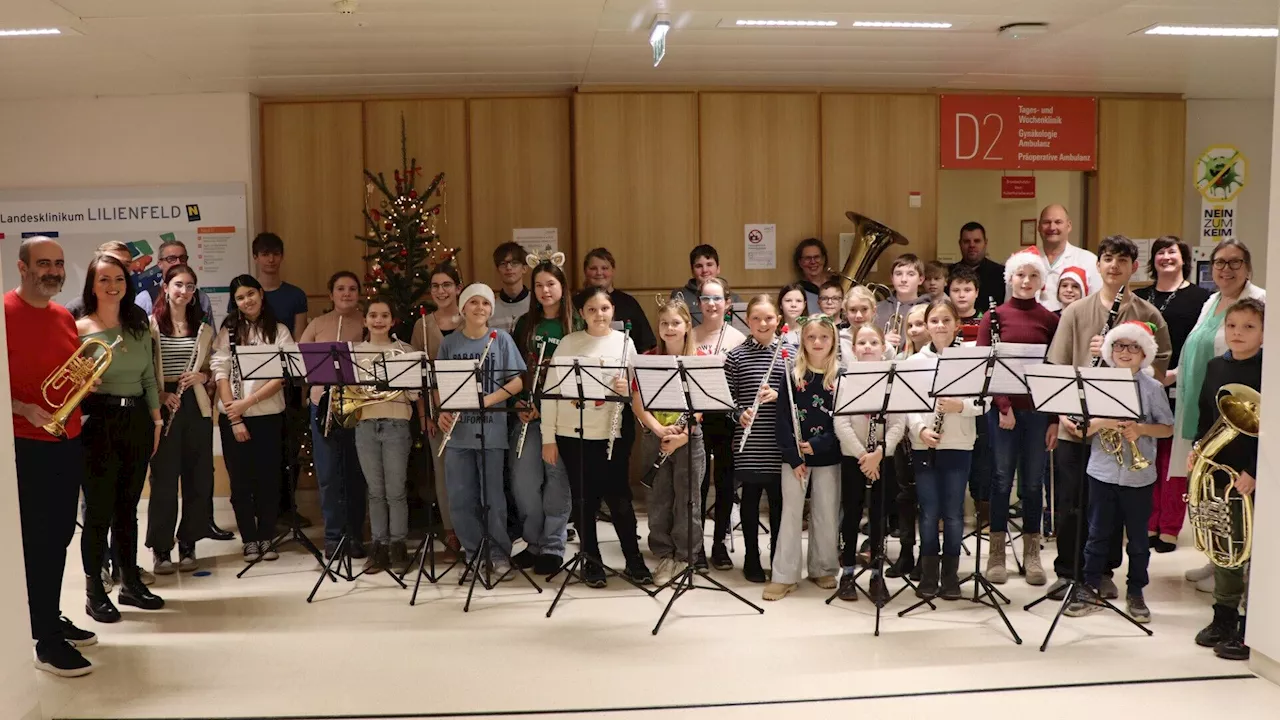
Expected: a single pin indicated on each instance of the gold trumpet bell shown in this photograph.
(873, 238)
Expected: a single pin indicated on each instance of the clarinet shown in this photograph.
(1112, 316)
(191, 366)
(995, 321)
(764, 381)
(683, 421)
(493, 334)
(615, 426)
(542, 349)
(237, 383)
(940, 417)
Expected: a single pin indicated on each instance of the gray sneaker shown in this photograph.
(1107, 588)
(163, 562)
(146, 577)
(502, 572)
(268, 552)
(187, 561)
(1137, 608)
(1082, 604)
(1059, 589)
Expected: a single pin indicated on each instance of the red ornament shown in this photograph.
(413, 194)
(404, 252)
(387, 225)
(375, 214)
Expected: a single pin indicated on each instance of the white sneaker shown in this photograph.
(665, 571)
(1205, 585)
(1197, 574)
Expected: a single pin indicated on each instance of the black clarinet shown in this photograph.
(995, 321)
(1112, 316)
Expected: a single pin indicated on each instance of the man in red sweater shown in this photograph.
(41, 336)
(1018, 431)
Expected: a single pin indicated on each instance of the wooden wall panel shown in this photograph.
(876, 150)
(313, 180)
(437, 137)
(636, 183)
(520, 174)
(759, 164)
(1141, 167)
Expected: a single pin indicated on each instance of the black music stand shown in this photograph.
(693, 385)
(462, 385)
(268, 362)
(966, 373)
(879, 388)
(1100, 392)
(595, 389)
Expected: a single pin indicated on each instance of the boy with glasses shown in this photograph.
(704, 264)
(512, 297)
(831, 301)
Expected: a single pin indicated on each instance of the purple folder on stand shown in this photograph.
(328, 363)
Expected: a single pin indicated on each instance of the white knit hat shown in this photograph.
(1143, 333)
(1022, 258)
(474, 290)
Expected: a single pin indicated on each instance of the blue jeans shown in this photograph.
(383, 446)
(1112, 507)
(541, 493)
(462, 476)
(342, 489)
(1022, 450)
(940, 488)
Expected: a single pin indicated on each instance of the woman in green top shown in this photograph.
(541, 490)
(121, 433)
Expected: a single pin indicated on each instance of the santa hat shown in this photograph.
(1031, 256)
(1143, 333)
(1079, 275)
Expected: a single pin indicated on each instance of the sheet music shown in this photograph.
(659, 383)
(962, 371)
(1109, 392)
(708, 386)
(862, 389)
(402, 372)
(459, 385)
(560, 380)
(260, 362)
(911, 389)
(1010, 368)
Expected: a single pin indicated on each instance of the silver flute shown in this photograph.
(795, 415)
(764, 381)
(493, 334)
(615, 426)
(537, 371)
(191, 366)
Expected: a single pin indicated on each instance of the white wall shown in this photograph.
(965, 195)
(1246, 125)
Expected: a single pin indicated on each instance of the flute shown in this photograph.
(524, 431)
(615, 424)
(755, 405)
(791, 392)
(493, 334)
(191, 366)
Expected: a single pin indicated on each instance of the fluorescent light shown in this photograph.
(658, 32)
(903, 25)
(1193, 31)
(31, 31)
(787, 23)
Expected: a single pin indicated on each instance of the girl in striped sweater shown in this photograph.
(755, 465)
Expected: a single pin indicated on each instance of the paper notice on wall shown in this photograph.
(212, 250)
(537, 241)
(1220, 174)
(1144, 254)
(761, 247)
(1217, 221)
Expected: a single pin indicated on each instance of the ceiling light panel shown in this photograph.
(1212, 31)
(787, 23)
(896, 25)
(28, 32)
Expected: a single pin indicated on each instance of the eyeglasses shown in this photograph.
(1234, 264)
(182, 287)
(510, 264)
(808, 259)
(711, 298)
(832, 299)
(174, 258)
(443, 286)
(1126, 347)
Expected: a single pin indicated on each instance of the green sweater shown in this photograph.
(132, 371)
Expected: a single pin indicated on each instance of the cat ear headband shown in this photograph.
(534, 259)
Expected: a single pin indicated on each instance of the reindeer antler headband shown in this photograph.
(534, 259)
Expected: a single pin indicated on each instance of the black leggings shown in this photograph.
(117, 446)
(717, 433)
(904, 477)
(853, 498)
(753, 486)
(594, 478)
(253, 466)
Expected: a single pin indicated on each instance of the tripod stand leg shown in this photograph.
(339, 554)
(989, 589)
(1062, 608)
(569, 569)
(683, 584)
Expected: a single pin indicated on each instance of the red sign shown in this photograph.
(1018, 187)
(1012, 132)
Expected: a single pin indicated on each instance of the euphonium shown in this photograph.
(1223, 521)
(871, 239)
(80, 371)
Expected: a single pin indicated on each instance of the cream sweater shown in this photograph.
(958, 429)
(222, 367)
(597, 419)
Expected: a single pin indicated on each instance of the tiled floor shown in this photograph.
(252, 647)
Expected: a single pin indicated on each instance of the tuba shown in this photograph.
(80, 372)
(872, 240)
(1223, 520)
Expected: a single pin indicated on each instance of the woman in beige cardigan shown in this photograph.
(182, 339)
(428, 333)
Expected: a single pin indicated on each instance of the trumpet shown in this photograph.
(80, 372)
(1113, 444)
(191, 366)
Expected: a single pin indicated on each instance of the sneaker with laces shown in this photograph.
(1197, 574)
(502, 571)
(1108, 588)
(665, 571)
(1082, 604)
(847, 591)
(59, 657)
(638, 571)
(146, 577)
(252, 552)
(1137, 608)
(163, 562)
(77, 637)
(187, 561)
(268, 553)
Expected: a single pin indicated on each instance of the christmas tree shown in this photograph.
(402, 238)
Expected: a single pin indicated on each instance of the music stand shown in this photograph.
(693, 385)
(1099, 392)
(737, 313)
(462, 385)
(879, 388)
(569, 385)
(268, 362)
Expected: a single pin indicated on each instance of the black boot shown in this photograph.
(97, 603)
(1224, 623)
(928, 586)
(1233, 648)
(133, 592)
(950, 578)
(217, 533)
(905, 563)
(751, 569)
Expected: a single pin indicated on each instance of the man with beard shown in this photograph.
(50, 468)
(973, 254)
(1055, 239)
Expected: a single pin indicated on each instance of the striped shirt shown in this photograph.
(744, 367)
(175, 354)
